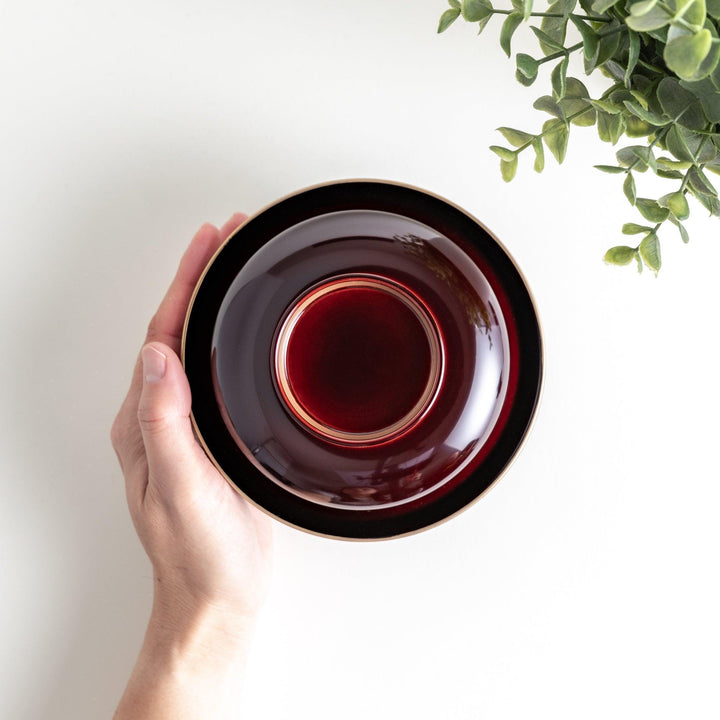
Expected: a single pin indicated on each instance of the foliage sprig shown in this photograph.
(662, 58)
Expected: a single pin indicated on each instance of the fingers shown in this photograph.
(163, 416)
(166, 327)
(167, 323)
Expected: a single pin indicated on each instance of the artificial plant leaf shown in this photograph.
(606, 106)
(651, 20)
(633, 55)
(504, 153)
(559, 78)
(611, 169)
(555, 135)
(589, 37)
(677, 204)
(475, 10)
(454, 4)
(680, 104)
(683, 233)
(507, 30)
(699, 182)
(601, 6)
(515, 137)
(556, 27)
(527, 9)
(447, 19)
(539, 165)
(649, 250)
(647, 115)
(608, 45)
(546, 41)
(651, 211)
(706, 92)
(527, 66)
(635, 229)
(620, 255)
(675, 143)
(629, 189)
(508, 168)
(684, 54)
(549, 105)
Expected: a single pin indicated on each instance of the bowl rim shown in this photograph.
(534, 402)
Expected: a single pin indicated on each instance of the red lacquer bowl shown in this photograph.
(365, 359)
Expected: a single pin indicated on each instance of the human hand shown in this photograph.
(210, 549)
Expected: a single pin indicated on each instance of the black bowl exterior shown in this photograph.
(523, 341)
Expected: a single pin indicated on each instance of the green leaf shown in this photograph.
(555, 27)
(527, 9)
(527, 66)
(713, 8)
(555, 135)
(546, 40)
(637, 157)
(649, 250)
(610, 127)
(684, 54)
(611, 169)
(629, 188)
(559, 78)
(708, 95)
(620, 255)
(673, 164)
(475, 10)
(504, 153)
(683, 233)
(589, 37)
(677, 204)
(601, 6)
(642, 8)
(549, 105)
(608, 45)
(651, 211)
(711, 204)
(676, 144)
(699, 182)
(509, 26)
(447, 19)
(669, 174)
(508, 168)
(454, 4)
(634, 229)
(647, 115)
(515, 137)
(633, 55)
(680, 104)
(692, 11)
(539, 155)
(606, 106)
(652, 19)
(483, 23)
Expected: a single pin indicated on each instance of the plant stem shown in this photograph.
(592, 18)
(577, 46)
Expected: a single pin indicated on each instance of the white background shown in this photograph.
(584, 585)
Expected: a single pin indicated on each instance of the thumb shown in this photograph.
(164, 414)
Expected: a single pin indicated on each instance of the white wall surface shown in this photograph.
(584, 585)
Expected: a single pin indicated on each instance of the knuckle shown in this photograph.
(151, 421)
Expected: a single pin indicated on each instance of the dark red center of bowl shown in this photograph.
(358, 359)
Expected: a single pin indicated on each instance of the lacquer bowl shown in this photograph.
(365, 359)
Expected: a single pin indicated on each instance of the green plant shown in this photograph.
(662, 59)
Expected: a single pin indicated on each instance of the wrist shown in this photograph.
(198, 631)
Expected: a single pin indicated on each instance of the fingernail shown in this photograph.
(154, 363)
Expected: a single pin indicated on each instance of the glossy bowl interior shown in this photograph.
(365, 359)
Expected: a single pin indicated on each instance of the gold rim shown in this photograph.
(531, 420)
(429, 393)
